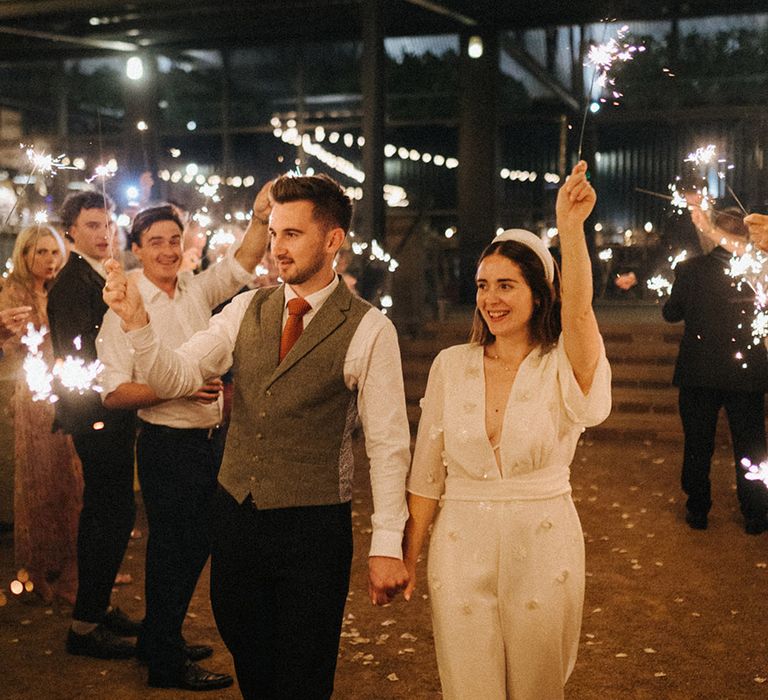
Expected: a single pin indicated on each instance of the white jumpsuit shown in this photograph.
(506, 558)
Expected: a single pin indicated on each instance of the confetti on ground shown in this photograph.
(392, 677)
(649, 650)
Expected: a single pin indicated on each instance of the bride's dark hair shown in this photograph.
(545, 321)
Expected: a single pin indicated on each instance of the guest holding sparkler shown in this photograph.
(719, 365)
(498, 430)
(103, 438)
(48, 477)
(179, 445)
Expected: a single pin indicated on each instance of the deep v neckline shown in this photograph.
(494, 450)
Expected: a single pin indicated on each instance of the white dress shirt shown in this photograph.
(372, 367)
(178, 319)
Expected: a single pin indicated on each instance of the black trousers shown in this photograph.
(279, 581)
(107, 517)
(699, 407)
(177, 471)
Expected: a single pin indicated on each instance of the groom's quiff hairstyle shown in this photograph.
(331, 207)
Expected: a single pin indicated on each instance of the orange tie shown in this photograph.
(294, 325)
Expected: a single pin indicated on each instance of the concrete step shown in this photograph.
(641, 350)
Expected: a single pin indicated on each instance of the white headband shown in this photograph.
(535, 244)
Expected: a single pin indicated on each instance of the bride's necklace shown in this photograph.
(504, 364)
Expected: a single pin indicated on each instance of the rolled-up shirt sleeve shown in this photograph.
(373, 366)
(428, 471)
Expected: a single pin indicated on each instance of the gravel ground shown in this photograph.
(670, 613)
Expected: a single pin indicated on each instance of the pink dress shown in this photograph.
(48, 482)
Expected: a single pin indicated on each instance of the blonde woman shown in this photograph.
(48, 476)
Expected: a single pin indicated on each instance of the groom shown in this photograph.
(307, 357)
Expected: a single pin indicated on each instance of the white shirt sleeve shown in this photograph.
(373, 366)
(428, 471)
(208, 353)
(222, 280)
(115, 353)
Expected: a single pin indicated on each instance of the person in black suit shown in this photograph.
(719, 365)
(104, 439)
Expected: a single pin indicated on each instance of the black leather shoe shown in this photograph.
(192, 677)
(122, 625)
(101, 643)
(198, 652)
(755, 526)
(696, 521)
(194, 652)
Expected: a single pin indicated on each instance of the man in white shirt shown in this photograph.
(178, 447)
(282, 536)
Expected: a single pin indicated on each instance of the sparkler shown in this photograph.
(73, 373)
(44, 163)
(659, 284)
(756, 472)
(602, 58)
(103, 172)
(751, 268)
(702, 155)
(738, 201)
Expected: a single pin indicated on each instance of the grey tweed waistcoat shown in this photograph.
(290, 434)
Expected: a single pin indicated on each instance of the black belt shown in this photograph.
(196, 433)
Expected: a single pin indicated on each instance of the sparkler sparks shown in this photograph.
(73, 373)
(602, 58)
(659, 284)
(702, 155)
(751, 267)
(45, 162)
(756, 472)
(104, 171)
(682, 255)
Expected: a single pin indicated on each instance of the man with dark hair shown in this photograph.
(719, 365)
(103, 438)
(307, 357)
(178, 449)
